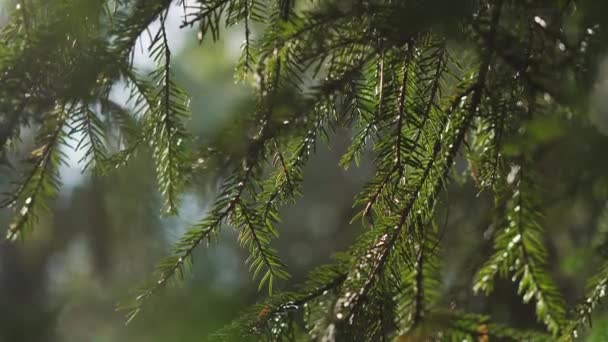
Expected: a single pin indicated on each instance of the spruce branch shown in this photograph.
(596, 288)
(256, 235)
(465, 326)
(519, 251)
(142, 100)
(381, 68)
(41, 184)
(168, 136)
(88, 124)
(225, 205)
(377, 255)
(129, 27)
(380, 251)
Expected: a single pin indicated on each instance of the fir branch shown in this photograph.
(398, 166)
(377, 255)
(284, 183)
(464, 326)
(380, 250)
(247, 59)
(168, 136)
(88, 124)
(142, 99)
(595, 292)
(130, 26)
(226, 204)
(281, 187)
(402, 145)
(11, 122)
(41, 184)
(209, 17)
(269, 318)
(360, 64)
(360, 103)
(225, 208)
(419, 283)
(519, 251)
(256, 234)
(181, 253)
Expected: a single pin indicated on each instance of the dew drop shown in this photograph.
(516, 238)
(540, 21)
(512, 174)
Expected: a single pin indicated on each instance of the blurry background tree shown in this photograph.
(478, 130)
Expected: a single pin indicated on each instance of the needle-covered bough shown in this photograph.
(424, 85)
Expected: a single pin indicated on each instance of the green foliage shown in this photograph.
(167, 134)
(424, 91)
(595, 291)
(87, 122)
(519, 252)
(41, 182)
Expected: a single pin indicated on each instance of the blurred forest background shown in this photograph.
(106, 233)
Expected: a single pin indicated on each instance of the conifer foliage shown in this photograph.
(426, 86)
